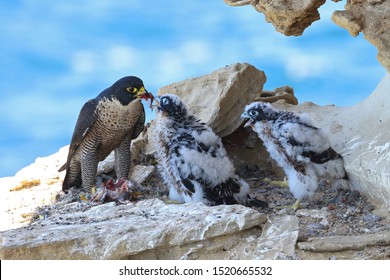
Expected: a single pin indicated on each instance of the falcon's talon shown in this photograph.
(281, 183)
(295, 206)
(171, 201)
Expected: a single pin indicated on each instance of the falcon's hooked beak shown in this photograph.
(144, 94)
(250, 120)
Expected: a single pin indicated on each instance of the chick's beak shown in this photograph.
(246, 116)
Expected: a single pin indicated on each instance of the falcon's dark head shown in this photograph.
(172, 106)
(129, 88)
(256, 112)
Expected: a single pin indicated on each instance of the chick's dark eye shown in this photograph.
(165, 101)
(253, 113)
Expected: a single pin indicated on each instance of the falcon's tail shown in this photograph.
(72, 178)
(62, 168)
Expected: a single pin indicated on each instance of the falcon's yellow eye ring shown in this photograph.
(132, 89)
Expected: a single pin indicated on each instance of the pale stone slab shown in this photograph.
(109, 231)
(343, 243)
(278, 239)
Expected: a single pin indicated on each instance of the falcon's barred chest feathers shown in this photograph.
(302, 150)
(192, 160)
(106, 123)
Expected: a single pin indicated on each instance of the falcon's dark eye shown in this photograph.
(165, 101)
(253, 113)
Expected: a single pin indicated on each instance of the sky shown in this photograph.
(56, 55)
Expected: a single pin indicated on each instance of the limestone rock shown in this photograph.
(342, 243)
(285, 93)
(16, 192)
(347, 21)
(107, 165)
(141, 173)
(138, 173)
(19, 207)
(373, 19)
(45, 168)
(278, 238)
(219, 98)
(238, 2)
(118, 232)
(288, 17)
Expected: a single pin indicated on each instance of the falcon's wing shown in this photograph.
(84, 122)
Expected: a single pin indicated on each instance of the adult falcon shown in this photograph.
(106, 123)
(301, 149)
(192, 160)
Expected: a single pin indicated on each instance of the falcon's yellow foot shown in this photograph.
(277, 183)
(83, 197)
(171, 201)
(93, 190)
(295, 206)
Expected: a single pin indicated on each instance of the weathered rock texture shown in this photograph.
(285, 93)
(372, 17)
(288, 17)
(120, 232)
(361, 135)
(219, 98)
(343, 243)
(279, 238)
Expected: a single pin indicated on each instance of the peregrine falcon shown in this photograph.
(106, 123)
(301, 149)
(192, 160)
